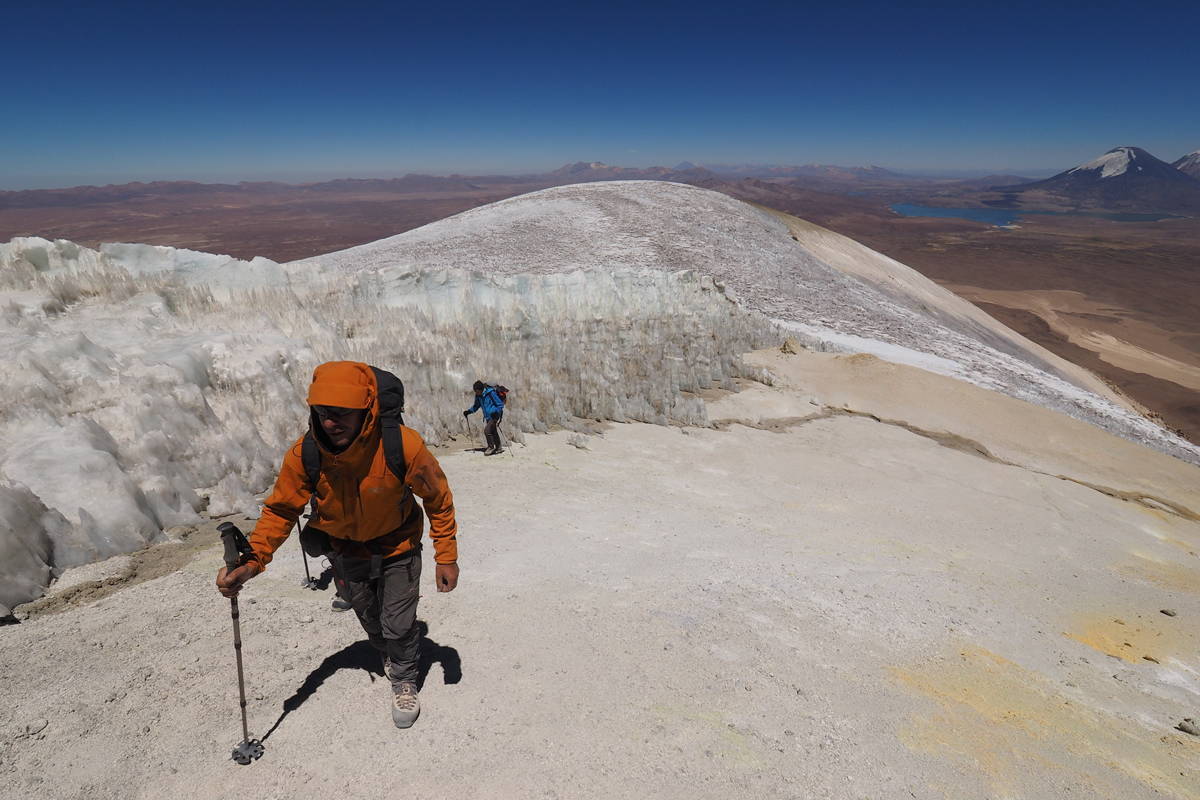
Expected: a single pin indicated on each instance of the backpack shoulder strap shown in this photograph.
(310, 456)
(393, 447)
(391, 406)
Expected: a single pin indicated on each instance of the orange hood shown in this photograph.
(346, 384)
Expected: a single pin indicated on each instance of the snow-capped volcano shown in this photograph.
(1123, 178)
(1189, 164)
(1116, 162)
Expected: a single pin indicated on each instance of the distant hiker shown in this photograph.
(366, 520)
(491, 400)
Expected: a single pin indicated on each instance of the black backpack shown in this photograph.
(501, 392)
(391, 417)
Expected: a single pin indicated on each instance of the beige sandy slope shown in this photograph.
(1005, 429)
(831, 607)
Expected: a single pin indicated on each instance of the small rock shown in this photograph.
(145, 729)
(1151, 658)
(307, 618)
(1189, 726)
(790, 346)
(1170, 612)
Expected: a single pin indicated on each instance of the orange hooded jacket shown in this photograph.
(358, 497)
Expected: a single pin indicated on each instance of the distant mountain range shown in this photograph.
(804, 171)
(584, 171)
(1124, 178)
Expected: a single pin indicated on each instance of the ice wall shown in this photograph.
(145, 385)
(28, 534)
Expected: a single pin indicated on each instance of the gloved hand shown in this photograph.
(466, 413)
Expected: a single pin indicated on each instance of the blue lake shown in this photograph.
(1007, 216)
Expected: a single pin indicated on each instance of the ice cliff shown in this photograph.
(146, 385)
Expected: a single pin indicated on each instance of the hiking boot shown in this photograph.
(405, 705)
(339, 604)
(495, 452)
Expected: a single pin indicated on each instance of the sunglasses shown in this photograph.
(335, 413)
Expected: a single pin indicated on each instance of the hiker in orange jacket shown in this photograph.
(366, 520)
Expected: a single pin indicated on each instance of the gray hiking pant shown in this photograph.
(387, 609)
(491, 431)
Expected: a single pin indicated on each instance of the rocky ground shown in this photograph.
(866, 581)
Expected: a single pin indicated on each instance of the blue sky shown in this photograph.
(306, 91)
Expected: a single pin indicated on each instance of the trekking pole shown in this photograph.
(236, 549)
(308, 582)
(505, 441)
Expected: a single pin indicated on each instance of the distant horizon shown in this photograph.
(99, 181)
(219, 91)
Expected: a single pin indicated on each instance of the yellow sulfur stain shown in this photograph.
(1015, 728)
(1133, 637)
(1173, 575)
(729, 742)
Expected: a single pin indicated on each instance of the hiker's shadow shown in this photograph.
(361, 655)
(430, 652)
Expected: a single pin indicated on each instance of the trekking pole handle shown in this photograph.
(236, 546)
